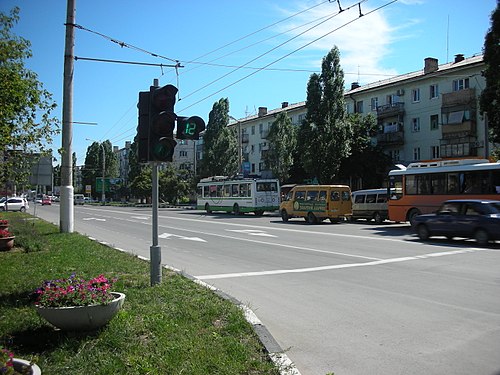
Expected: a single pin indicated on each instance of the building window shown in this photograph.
(415, 124)
(416, 153)
(261, 128)
(433, 91)
(262, 167)
(183, 154)
(253, 129)
(434, 122)
(253, 167)
(374, 103)
(460, 84)
(252, 148)
(394, 155)
(359, 107)
(415, 95)
(435, 152)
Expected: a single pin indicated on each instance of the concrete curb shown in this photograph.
(274, 350)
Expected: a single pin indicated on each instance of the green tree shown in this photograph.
(26, 121)
(325, 134)
(490, 97)
(220, 143)
(282, 141)
(94, 164)
(172, 187)
(141, 185)
(367, 165)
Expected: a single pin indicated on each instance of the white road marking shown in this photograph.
(333, 267)
(252, 232)
(93, 218)
(140, 217)
(168, 235)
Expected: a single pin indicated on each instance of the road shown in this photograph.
(350, 298)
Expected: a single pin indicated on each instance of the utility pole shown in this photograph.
(66, 212)
(155, 248)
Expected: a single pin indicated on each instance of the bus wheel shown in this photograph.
(207, 208)
(411, 215)
(259, 213)
(377, 218)
(284, 216)
(423, 232)
(481, 236)
(236, 209)
(311, 219)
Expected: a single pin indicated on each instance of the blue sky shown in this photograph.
(212, 38)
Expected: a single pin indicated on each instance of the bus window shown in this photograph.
(213, 190)
(438, 182)
(359, 198)
(227, 191)
(382, 198)
(371, 198)
(334, 196)
(322, 195)
(311, 195)
(410, 184)
(346, 196)
(300, 195)
(453, 183)
(220, 191)
(234, 190)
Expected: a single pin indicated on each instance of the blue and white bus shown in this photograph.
(239, 195)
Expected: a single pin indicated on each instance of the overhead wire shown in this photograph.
(292, 52)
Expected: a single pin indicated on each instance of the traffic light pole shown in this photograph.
(155, 249)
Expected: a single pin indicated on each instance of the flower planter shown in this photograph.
(20, 365)
(4, 226)
(6, 243)
(82, 318)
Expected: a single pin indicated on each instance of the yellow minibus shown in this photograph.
(316, 203)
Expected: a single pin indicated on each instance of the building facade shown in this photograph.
(428, 114)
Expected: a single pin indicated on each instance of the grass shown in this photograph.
(177, 327)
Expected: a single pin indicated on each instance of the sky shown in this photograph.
(256, 54)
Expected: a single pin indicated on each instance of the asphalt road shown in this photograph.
(350, 298)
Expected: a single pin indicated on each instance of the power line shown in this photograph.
(296, 50)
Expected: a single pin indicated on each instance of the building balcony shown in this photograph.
(390, 139)
(464, 129)
(390, 110)
(466, 97)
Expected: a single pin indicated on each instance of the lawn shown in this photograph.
(177, 327)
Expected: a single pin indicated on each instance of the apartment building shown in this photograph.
(428, 114)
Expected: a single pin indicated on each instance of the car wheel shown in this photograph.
(311, 219)
(423, 232)
(22, 209)
(284, 216)
(481, 237)
(377, 218)
(411, 215)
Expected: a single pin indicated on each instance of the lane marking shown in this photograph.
(252, 232)
(333, 267)
(168, 235)
(93, 218)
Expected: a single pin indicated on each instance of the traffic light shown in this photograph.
(142, 136)
(162, 123)
(189, 127)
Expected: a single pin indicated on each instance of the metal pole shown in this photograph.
(66, 211)
(103, 196)
(155, 249)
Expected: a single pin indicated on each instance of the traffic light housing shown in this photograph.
(189, 127)
(162, 123)
(142, 137)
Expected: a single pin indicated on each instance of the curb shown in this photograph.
(274, 350)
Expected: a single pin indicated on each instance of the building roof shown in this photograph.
(441, 69)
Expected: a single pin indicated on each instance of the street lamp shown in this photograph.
(103, 196)
(240, 147)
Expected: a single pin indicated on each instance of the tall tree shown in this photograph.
(325, 134)
(490, 97)
(94, 163)
(26, 121)
(366, 166)
(282, 141)
(220, 143)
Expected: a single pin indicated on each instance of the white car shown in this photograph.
(14, 204)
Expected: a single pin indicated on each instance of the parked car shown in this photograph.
(79, 199)
(14, 204)
(46, 200)
(466, 218)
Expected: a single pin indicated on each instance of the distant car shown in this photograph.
(14, 204)
(466, 218)
(78, 199)
(46, 201)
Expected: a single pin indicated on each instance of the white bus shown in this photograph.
(238, 195)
